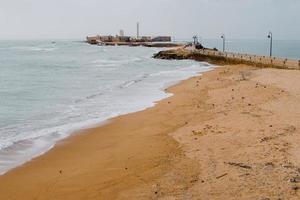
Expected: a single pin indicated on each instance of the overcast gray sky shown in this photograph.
(31, 19)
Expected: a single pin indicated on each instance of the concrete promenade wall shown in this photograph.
(264, 61)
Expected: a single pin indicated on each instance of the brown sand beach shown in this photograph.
(232, 133)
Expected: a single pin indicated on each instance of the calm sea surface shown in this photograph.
(49, 89)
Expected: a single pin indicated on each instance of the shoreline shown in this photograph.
(80, 134)
(222, 135)
(90, 126)
(35, 147)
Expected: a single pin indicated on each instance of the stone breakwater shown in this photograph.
(225, 58)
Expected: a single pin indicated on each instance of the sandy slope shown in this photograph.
(236, 132)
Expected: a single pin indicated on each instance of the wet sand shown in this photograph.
(232, 133)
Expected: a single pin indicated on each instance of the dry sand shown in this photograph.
(232, 133)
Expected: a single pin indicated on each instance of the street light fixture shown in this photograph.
(270, 36)
(195, 38)
(223, 37)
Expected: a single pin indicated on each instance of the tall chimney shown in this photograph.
(138, 30)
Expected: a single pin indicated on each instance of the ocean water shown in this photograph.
(49, 89)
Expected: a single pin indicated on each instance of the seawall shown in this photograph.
(226, 58)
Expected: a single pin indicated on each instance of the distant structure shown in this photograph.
(122, 39)
(138, 30)
(195, 39)
(122, 33)
(162, 39)
(196, 44)
(99, 39)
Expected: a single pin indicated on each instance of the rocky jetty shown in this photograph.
(219, 58)
(182, 54)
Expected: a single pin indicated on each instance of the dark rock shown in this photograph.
(239, 165)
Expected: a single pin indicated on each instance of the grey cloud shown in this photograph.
(30, 19)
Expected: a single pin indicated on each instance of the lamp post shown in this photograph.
(195, 38)
(270, 36)
(223, 37)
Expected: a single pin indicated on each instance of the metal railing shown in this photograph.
(255, 59)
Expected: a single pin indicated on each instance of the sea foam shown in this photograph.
(46, 97)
